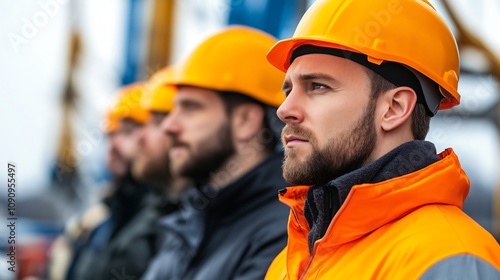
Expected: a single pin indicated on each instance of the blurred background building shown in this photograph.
(61, 60)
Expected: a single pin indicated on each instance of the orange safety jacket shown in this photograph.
(409, 227)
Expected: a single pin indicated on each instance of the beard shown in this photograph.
(342, 154)
(118, 165)
(153, 169)
(208, 155)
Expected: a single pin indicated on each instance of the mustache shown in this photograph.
(116, 154)
(178, 143)
(296, 131)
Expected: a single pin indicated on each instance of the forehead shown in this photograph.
(125, 129)
(190, 93)
(333, 66)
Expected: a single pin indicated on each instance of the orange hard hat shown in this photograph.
(159, 94)
(111, 124)
(406, 32)
(234, 60)
(126, 105)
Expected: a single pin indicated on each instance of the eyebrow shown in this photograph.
(308, 77)
(189, 102)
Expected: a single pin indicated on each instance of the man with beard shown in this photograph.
(232, 225)
(125, 241)
(152, 162)
(378, 203)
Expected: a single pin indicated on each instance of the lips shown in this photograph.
(176, 143)
(177, 148)
(179, 145)
(292, 140)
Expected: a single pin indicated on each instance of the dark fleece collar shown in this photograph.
(323, 201)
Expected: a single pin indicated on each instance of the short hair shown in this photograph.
(420, 120)
(232, 100)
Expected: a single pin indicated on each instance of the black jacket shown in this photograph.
(122, 246)
(234, 233)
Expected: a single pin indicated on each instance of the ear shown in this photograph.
(398, 107)
(247, 120)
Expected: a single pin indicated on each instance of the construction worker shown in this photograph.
(152, 162)
(124, 242)
(222, 127)
(363, 79)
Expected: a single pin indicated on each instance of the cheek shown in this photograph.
(201, 130)
(154, 137)
(131, 147)
(160, 143)
(327, 122)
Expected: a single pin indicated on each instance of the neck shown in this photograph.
(237, 165)
(387, 142)
(175, 188)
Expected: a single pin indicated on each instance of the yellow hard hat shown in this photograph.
(127, 105)
(407, 32)
(159, 94)
(234, 60)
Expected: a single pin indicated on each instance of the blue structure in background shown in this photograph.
(132, 42)
(277, 17)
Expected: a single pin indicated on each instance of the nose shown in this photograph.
(141, 134)
(170, 124)
(113, 143)
(290, 111)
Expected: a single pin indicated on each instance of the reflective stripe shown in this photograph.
(462, 266)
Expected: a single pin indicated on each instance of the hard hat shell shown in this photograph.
(234, 60)
(159, 94)
(127, 105)
(409, 32)
(111, 124)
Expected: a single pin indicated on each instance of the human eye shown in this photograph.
(127, 127)
(287, 88)
(190, 106)
(318, 87)
(287, 91)
(158, 118)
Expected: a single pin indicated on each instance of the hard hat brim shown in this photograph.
(280, 54)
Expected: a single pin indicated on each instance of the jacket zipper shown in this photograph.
(316, 244)
(310, 260)
(314, 248)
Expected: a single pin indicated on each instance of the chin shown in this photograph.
(138, 173)
(175, 169)
(296, 158)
